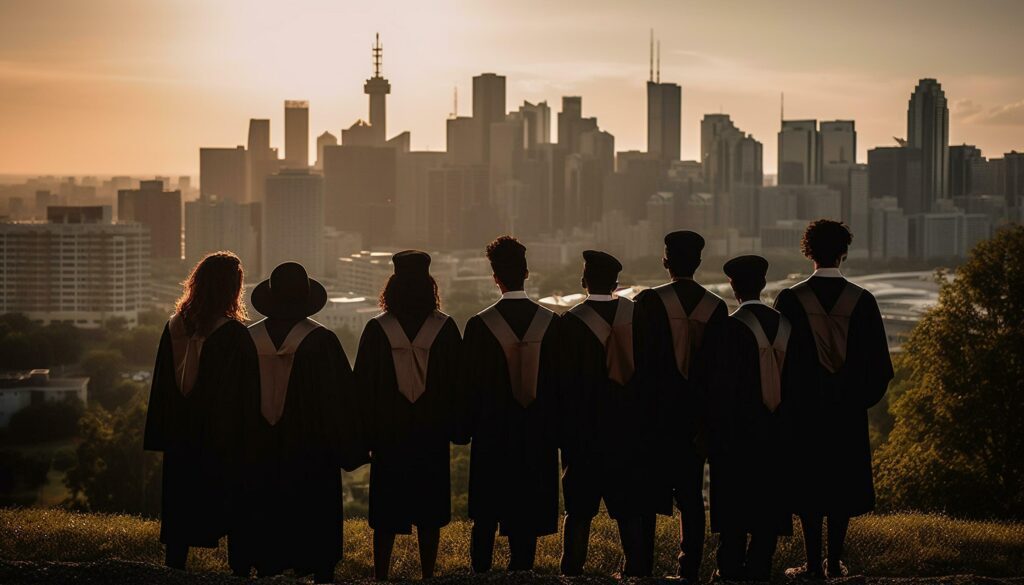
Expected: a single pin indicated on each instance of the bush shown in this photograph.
(45, 421)
(20, 476)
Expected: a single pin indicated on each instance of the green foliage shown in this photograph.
(26, 345)
(103, 367)
(905, 545)
(957, 444)
(112, 472)
(138, 345)
(45, 421)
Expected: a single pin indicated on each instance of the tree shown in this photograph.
(113, 473)
(957, 444)
(45, 421)
(104, 368)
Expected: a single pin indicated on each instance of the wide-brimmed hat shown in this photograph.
(289, 293)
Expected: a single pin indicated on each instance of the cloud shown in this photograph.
(1011, 114)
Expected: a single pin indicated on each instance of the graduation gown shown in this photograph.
(292, 516)
(831, 445)
(683, 425)
(750, 473)
(607, 438)
(513, 474)
(198, 435)
(409, 441)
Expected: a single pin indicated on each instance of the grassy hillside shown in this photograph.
(896, 546)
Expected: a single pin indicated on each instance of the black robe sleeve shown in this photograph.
(156, 434)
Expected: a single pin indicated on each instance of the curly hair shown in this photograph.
(412, 297)
(506, 255)
(826, 241)
(213, 290)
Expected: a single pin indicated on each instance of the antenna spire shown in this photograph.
(378, 54)
(782, 107)
(455, 109)
(651, 76)
(658, 79)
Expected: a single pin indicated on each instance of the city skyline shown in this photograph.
(147, 112)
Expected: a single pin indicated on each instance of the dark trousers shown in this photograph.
(636, 533)
(812, 527)
(689, 497)
(739, 561)
(522, 548)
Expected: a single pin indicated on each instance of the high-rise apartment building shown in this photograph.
(213, 224)
(79, 267)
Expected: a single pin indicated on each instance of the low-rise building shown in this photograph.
(19, 390)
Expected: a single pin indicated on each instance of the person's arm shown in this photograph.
(471, 380)
(367, 373)
(450, 340)
(873, 366)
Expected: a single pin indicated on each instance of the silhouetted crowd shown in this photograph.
(619, 401)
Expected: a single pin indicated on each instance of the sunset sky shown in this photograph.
(137, 86)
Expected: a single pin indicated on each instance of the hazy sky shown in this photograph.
(136, 86)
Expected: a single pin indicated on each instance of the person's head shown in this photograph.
(600, 272)
(826, 242)
(682, 253)
(289, 294)
(411, 291)
(213, 290)
(508, 263)
(747, 276)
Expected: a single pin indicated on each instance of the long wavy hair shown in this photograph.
(213, 290)
(412, 297)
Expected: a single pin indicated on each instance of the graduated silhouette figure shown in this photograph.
(194, 414)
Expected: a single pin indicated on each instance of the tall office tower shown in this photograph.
(293, 221)
(961, 161)
(158, 210)
(663, 113)
(213, 224)
(1013, 184)
(412, 205)
(857, 210)
(569, 121)
(895, 171)
(359, 191)
(224, 172)
(79, 267)
(463, 146)
(928, 129)
(456, 196)
(729, 156)
(325, 139)
(296, 134)
(798, 152)
(838, 142)
(378, 88)
(488, 107)
(262, 158)
(537, 120)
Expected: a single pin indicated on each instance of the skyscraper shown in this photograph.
(223, 172)
(213, 224)
(838, 142)
(537, 120)
(798, 152)
(663, 113)
(296, 134)
(729, 155)
(488, 106)
(262, 159)
(895, 171)
(378, 88)
(961, 161)
(325, 139)
(293, 221)
(158, 210)
(928, 129)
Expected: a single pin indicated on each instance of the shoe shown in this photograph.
(803, 573)
(842, 572)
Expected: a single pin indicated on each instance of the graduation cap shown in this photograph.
(411, 263)
(746, 271)
(683, 244)
(601, 266)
